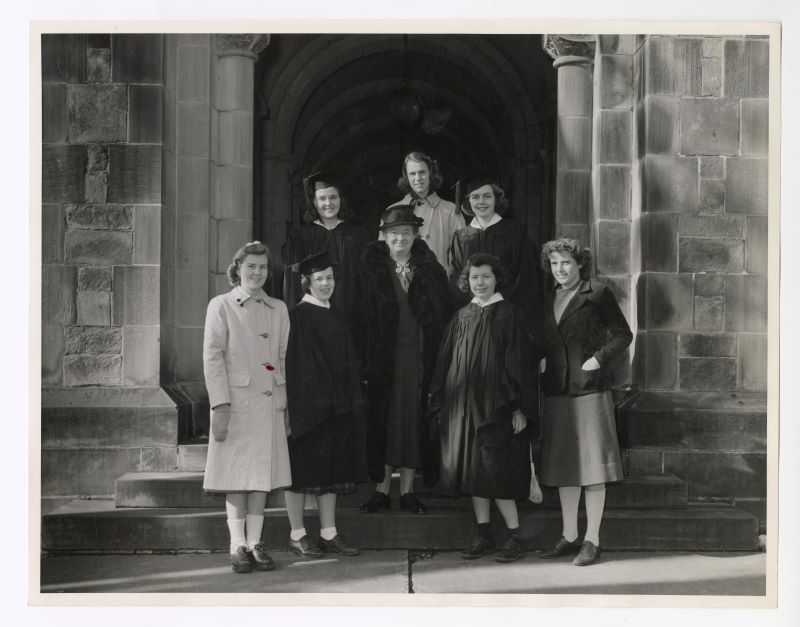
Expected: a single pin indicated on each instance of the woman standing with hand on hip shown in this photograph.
(244, 349)
(584, 330)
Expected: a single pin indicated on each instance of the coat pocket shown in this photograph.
(279, 395)
(591, 379)
(240, 397)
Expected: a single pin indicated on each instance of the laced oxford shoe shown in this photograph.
(480, 546)
(588, 555)
(304, 547)
(377, 502)
(337, 545)
(561, 548)
(259, 558)
(512, 550)
(411, 503)
(240, 563)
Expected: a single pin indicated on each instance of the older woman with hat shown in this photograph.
(326, 433)
(406, 307)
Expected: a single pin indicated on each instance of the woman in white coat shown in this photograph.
(244, 350)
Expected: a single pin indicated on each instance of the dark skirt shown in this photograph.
(402, 422)
(324, 460)
(579, 441)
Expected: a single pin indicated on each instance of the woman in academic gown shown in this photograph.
(326, 431)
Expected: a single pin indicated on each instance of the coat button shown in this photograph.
(268, 393)
(264, 335)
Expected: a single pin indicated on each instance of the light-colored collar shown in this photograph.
(313, 300)
(477, 225)
(242, 296)
(496, 298)
(432, 199)
(319, 222)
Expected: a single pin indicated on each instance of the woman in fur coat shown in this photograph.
(407, 305)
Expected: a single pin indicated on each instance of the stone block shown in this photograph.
(96, 189)
(709, 126)
(709, 313)
(717, 374)
(720, 473)
(86, 472)
(659, 242)
(672, 184)
(98, 40)
(167, 351)
(85, 427)
(615, 137)
(192, 251)
(218, 282)
(94, 308)
(99, 248)
(193, 185)
(136, 295)
(755, 127)
(574, 141)
(169, 123)
(233, 196)
(641, 461)
(98, 65)
(234, 89)
(92, 370)
(746, 303)
(712, 196)
(97, 113)
(707, 345)
(194, 74)
(97, 158)
(52, 354)
(712, 47)
(135, 174)
(63, 169)
(140, 359)
(712, 226)
(54, 113)
(614, 198)
(710, 254)
(616, 84)
(711, 81)
(89, 340)
(103, 217)
(193, 129)
(235, 144)
(709, 285)
(53, 227)
(137, 58)
(662, 117)
(660, 360)
(746, 68)
(668, 302)
(573, 193)
(756, 250)
(674, 65)
(147, 235)
(746, 186)
(189, 358)
(58, 295)
(94, 279)
(712, 167)
(753, 362)
(159, 459)
(191, 297)
(63, 58)
(144, 118)
(614, 250)
(232, 234)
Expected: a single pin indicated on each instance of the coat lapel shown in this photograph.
(576, 302)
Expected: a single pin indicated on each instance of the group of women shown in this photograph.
(401, 354)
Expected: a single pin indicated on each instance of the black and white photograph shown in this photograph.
(451, 313)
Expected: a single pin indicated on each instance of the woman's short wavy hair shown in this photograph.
(572, 247)
(482, 259)
(500, 201)
(311, 213)
(251, 248)
(305, 280)
(436, 178)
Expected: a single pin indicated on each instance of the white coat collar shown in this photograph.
(242, 297)
(477, 225)
(496, 298)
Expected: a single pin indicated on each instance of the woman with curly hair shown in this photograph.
(244, 350)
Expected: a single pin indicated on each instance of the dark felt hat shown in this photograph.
(314, 263)
(322, 180)
(400, 215)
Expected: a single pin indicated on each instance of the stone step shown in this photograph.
(98, 526)
(192, 457)
(185, 489)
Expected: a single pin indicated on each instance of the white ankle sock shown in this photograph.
(296, 534)
(328, 533)
(253, 526)
(236, 527)
(570, 497)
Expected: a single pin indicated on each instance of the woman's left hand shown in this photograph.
(518, 421)
(591, 364)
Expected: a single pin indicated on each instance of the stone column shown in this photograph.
(232, 150)
(573, 58)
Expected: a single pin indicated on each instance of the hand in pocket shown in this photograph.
(591, 364)
(220, 419)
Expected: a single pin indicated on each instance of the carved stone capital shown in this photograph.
(248, 45)
(577, 47)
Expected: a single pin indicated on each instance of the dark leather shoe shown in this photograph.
(411, 503)
(240, 563)
(377, 502)
(561, 548)
(304, 547)
(480, 546)
(259, 558)
(588, 555)
(512, 550)
(337, 545)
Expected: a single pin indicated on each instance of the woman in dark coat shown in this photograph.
(406, 307)
(483, 392)
(326, 433)
(584, 330)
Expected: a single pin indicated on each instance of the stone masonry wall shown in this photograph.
(701, 155)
